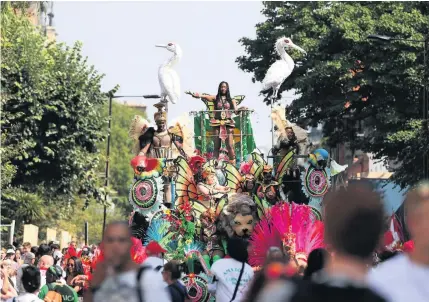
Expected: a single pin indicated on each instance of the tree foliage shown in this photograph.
(348, 82)
(52, 123)
(93, 214)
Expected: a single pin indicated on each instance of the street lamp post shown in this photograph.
(425, 106)
(106, 180)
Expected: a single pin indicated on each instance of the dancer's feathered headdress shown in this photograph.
(278, 115)
(138, 126)
(181, 127)
(292, 227)
(279, 119)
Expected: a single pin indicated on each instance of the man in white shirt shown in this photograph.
(119, 278)
(405, 278)
(232, 274)
(155, 254)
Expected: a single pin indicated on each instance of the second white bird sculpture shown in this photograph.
(168, 78)
(281, 69)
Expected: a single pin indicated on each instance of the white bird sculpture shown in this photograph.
(168, 77)
(281, 69)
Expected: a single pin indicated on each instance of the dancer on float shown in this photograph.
(209, 187)
(222, 120)
(159, 143)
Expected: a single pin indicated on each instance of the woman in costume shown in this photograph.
(222, 120)
(290, 227)
(209, 187)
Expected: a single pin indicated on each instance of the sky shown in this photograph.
(119, 39)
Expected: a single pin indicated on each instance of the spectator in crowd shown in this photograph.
(43, 250)
(316, 262)
(56, 253)
(232, 275)
(171, 275)
(28, 259)
(10, 265)
(26, 247)
(74, 268)
(18, 256)
(405, 277)
(155, 255)
(10, 254)
(119, 278)
(354, 221)
(3, 254)
(44, 263)
(73, 244)
(7, 290)
(54, 283)
(274, 255)
(34, 250)
(31, 282)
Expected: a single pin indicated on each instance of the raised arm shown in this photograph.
(210, 98)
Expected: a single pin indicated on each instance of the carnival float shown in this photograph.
(199, 180)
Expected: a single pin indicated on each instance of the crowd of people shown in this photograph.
(343, 271)
(30, 273)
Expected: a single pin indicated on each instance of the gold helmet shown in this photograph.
(160, 116)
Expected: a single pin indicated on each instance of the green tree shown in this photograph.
(93, 214)
(52, 122)
(348, 82)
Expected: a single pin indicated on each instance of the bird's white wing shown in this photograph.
(170, 84)
(276, 74)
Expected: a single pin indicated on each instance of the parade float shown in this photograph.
(199, 180)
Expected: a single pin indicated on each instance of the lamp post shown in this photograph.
(425, 106)
(106, 180)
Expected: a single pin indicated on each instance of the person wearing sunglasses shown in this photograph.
(74, 268)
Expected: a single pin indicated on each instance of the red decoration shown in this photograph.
(408, 246)
(154, 248)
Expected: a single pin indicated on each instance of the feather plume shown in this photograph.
(157, 230)
(282, 220)
(138, 126)
(138, 251)
(263, 237)
(279, 119)
(182, 127)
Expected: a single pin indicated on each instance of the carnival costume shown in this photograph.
(290, 227)
(221, 125)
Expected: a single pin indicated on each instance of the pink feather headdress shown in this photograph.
(287, 226)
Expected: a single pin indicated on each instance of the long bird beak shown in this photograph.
(160, 45)
(299, 48)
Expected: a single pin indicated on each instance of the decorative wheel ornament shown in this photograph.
(317, 213)
(146, 195)
(315, 184)
(197, 287)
